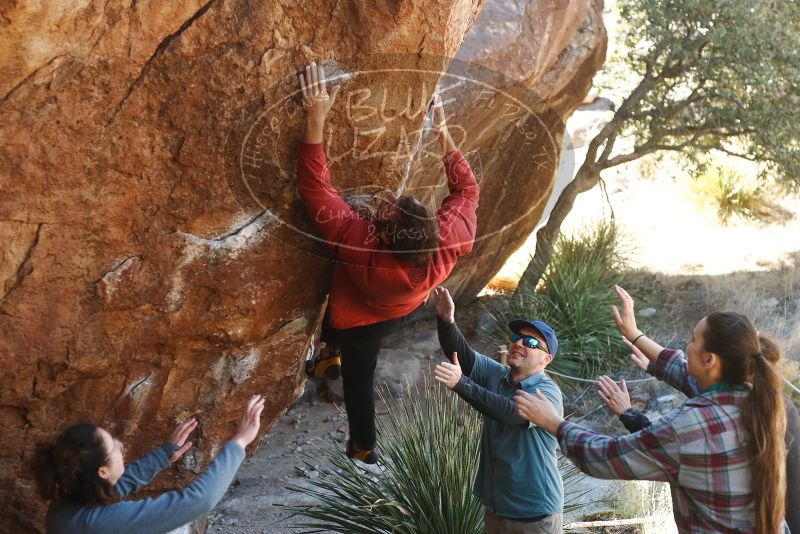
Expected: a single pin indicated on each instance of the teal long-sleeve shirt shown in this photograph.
(166, 512)
(518, 475)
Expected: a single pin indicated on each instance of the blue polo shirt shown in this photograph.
(518, 475)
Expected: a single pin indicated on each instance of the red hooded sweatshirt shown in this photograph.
(370, 285)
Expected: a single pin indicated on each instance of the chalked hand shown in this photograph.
(315, 92)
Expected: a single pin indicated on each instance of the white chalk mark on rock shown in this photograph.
(241, 235)
(113, 277)
(236, 367)
(133, 390)
(242, 367)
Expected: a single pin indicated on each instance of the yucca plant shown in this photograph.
(430, 443)
(732, 194)
(574, 297)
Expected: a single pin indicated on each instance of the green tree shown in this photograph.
(709, 75)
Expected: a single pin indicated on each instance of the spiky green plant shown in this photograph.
(731, 194)
(429, 442)
(574, 297)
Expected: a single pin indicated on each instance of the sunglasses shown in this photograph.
(529, 341)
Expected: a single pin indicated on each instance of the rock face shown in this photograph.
(155, 260)
(542, 57)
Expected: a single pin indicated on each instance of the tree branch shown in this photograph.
(739, 154)
(608, 148)
(648, 148)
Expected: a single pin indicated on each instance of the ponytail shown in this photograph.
(766, 421)
(746, 358)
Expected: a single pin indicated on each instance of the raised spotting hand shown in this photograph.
(640, 345)
(250, 423)
(637, 356)
(448, 373)
(445, 307)
(178, 438)
(615, 397)
(624, 316)
(538, 410)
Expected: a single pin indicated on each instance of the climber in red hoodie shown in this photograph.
(386, 264)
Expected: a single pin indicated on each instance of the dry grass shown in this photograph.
(642, 498)
(770, 298)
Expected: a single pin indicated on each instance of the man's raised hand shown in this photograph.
(448, 374)
(445, 308)
(315, 92)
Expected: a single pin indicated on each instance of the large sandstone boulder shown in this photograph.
(155, 261)
(539, 59)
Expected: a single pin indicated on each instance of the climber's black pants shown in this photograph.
(360, 346)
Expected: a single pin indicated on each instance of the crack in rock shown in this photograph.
(158, 51)
(111, 279)
(24, 269)
(145, 381)
(53, 62)
(239, 237)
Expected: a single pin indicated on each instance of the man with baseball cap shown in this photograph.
(518, 479)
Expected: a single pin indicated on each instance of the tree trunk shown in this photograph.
(584, 180)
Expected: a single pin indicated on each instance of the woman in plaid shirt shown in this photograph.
(722, 451)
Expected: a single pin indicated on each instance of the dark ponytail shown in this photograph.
(66, 469)
(734, 339)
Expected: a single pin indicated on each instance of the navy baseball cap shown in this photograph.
(543, 328)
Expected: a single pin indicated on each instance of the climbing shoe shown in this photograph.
(368, 456)
(326, 364)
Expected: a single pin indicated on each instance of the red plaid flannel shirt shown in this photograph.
(698, 448)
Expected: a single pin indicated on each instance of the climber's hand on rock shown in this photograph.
(178, 438)
(439, 118)
(315, 93)
(440, 125)
(250, 423)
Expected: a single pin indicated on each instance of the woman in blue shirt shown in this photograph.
(82, 473)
